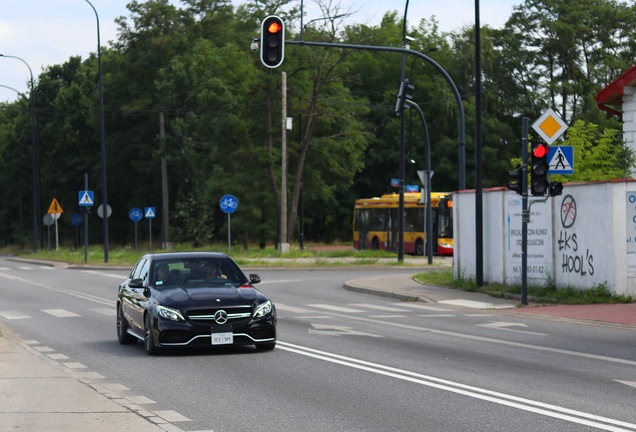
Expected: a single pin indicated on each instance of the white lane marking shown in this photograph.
(280, 281)
(332, 330)
(627, 383)
(60, 313)
(377, 307)
(387, 316)
(437, 316)
(524, 404)
(70, 292)
(74, 365)
(105, 273)
(423, 307)
(13, 315)
(58, 356)
(335, 308)
(475, 304)
(491, 340)
(171, 416)
(500, 325)
(289, 308)
(140, 400)
(105, 311)
(115, 387)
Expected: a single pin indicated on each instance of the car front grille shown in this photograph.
(207, 316)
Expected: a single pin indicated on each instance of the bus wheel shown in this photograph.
(419, 247)
(375, 244)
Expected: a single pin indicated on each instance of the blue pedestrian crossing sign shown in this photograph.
(149, 212)
(86, 198)
(561, 160)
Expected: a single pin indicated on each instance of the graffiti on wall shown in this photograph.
(574, 259)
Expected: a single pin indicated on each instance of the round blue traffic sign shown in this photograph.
(228, 203)
(135, 214)
(77, 219)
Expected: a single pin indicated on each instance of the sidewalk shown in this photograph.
(40, 394)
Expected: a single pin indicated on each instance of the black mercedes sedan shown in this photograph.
(193, 299)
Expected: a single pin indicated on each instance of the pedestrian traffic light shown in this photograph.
(539, 183)
(272, 41)
(556, 189)
(405, 94)
(518, 180)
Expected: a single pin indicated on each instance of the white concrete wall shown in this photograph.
(629, 119)
(583, 238)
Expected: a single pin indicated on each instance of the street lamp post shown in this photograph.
(101, 134)
(34, 160)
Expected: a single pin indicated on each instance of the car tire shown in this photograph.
(149, 338)
(268, 346)
(123, 336)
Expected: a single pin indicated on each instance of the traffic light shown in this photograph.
(405, 94)
(539, 183)
(272, 41)
(556, 189)
(518, 181)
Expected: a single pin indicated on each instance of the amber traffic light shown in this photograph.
(272, 41)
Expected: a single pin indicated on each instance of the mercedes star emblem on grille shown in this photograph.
(220, 317)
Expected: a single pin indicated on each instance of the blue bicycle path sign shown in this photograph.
(135, 214)
(228, 203)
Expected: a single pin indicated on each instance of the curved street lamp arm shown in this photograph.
(449, 80)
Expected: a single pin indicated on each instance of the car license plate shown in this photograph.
(222, 338)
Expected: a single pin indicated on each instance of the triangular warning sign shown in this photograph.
(55, 207)
(86, 199)
(559, 162)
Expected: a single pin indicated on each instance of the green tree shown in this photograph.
(599, 154)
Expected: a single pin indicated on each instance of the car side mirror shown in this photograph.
(254, 278)
(136, 283)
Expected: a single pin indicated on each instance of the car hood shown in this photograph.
(181, 297)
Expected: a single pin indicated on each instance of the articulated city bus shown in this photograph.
(375, 223)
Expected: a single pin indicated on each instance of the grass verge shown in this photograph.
(547, 294)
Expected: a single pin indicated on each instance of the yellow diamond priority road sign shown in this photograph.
(549, 126)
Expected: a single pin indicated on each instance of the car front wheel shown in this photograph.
(149, 338)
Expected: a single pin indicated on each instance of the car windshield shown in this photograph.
(197, 273)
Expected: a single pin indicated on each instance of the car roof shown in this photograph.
(168, 256)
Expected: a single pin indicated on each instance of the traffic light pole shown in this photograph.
(525, 212)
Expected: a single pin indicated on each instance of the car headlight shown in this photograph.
(263, 309)
(169, 313)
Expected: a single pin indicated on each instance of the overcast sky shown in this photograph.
(48, 32)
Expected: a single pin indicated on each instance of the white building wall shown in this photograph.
(629, 119)
(583, 238)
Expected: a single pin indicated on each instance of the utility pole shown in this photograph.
(165, 225)
(283, 244)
